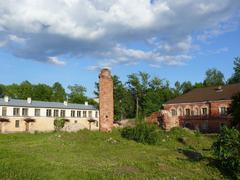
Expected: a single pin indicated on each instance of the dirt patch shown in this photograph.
(128, 170)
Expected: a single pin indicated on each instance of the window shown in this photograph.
(72, 113)
(79, 113)
(17, 124)
(75, 121)
(4, 111)
(223, 111)
(55, 113)
(49, 113)
(90, 114)
(84, 114)
(37, 112)
(96, 114)
(187, 112)
(25, 112)
(62, 113)
(16, 111)
(174, 112)
(180, 111)
(204, 111)
(195, 112)
(96, 123)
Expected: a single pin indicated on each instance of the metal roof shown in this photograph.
(44, 104)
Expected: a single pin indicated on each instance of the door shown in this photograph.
(27, 126)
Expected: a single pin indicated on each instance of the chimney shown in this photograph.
(29, 100)
(86, 103)
(6, 99)
(65, 103)
(219, 89)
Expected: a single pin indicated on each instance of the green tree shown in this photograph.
(138, 86)
(25, 90)
(58, 92)
(177, 89)
(226, 150)
(236, 75)
(42, 92)
(2, 90)
(158, 92)
(77, 94)
(235, 110)
(12, 90)
(186, 87)
(214, 77)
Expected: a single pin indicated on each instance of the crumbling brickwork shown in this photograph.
(106, 101)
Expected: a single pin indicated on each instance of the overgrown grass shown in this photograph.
(95, 155)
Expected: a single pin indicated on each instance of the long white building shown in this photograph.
(30, 116)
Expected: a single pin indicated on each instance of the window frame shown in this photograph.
(17, 123)
(35, 112)
(14, 111)
(55, 113)
(4, 111)
(72, 113)
(84, 114)
(63, 113)
(79, 113)
(24, 112)
(49, 113)
(173, 112)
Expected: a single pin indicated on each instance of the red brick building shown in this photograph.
(205, 109)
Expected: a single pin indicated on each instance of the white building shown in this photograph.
(29, 116)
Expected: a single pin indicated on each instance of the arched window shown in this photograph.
(180, 111)
(173, 112)
(187, 112)
(196, 111)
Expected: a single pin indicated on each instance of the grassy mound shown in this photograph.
(95, 155)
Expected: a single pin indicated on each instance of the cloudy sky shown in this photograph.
(70, 40)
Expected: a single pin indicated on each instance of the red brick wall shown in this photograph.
(105, 101)
(213, 110)
(153, 117)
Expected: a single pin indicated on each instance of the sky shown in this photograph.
(69, 41)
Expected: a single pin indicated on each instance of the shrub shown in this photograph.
(235, 110)
(143, 133)
(227, 151)
(59, 124)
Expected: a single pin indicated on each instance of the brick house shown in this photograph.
(205, 109)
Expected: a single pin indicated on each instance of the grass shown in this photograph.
(95, 155)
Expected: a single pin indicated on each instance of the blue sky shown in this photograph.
(161, 38)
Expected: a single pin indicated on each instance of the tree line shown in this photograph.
(142, 94)
(137, 98)
(44, 92)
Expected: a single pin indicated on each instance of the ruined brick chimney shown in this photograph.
(106, 100)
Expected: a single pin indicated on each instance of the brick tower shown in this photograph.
(106, 100)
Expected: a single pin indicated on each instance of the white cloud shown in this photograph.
(104, 29)
(16, 39)
(56, 61)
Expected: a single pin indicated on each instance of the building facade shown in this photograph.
(31, 116)
(204, 109)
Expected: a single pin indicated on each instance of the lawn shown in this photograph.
(95, 155)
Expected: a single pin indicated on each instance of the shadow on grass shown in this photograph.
(191, 154)
(227, 174)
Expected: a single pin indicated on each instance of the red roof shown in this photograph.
(207, 94)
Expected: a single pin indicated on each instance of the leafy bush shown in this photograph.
(235, 110)
(59, 124)
(227, 151)
(143, 133)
